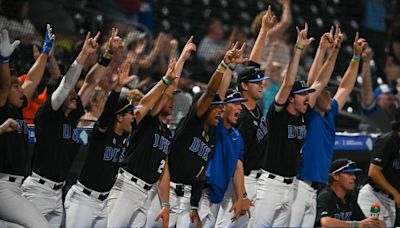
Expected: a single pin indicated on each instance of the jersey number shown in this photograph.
(161, 167)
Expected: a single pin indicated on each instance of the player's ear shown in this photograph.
(244, 86)
(291, 99)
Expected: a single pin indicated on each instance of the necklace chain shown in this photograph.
(258, 113)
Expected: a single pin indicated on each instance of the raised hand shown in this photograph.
(284, 2)
(171, 70)
(232, 54)
(327, 40)
(90, 46)
(239, 58)
(302, 36)
(123, 75)
(359, 45)
(6, 48)
(338, 38)
(368, 54)
(115, 42)
(189, 47)
(49, 38)
(164, 215)
(268, 20)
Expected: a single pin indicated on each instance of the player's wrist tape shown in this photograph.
(279, 105)
(299, 46)
(222, 67)
(166, 81)
(355, 59)
(165, 204)
(232, 66)
(194, 208)
(353, 224)
(104, 61)
(5, 59)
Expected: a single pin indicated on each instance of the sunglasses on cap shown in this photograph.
(350, 167)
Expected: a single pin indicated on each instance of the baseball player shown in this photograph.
(251, 124)
(336, 205)
(57, 142)
(146, 156)
(85, 203)
(317, 151)
(14, 207)
(383, 186)
(193, 145)
(287, 130)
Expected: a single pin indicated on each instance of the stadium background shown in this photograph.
(72, 19)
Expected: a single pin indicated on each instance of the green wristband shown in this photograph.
(299, 46)
(166, 80)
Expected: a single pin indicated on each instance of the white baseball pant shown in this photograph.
(224, 216)
(84, 210)
(368, 196)
(15, 209)
(129, 208)
(273, 202)
(155, 206)
(40, 191)
(304, 207)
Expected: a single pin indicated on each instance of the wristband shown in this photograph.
(5, 59)
(232, 66)
(194, 208)
(104, 61)
(165, 204)
(222, 67)
(166, 80)
(355, 59)
(299, 46)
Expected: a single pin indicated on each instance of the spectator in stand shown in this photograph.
(336, 206)
(120, 9)
(377, 105)
(276, 47)
(94, 108)
(15, 19)
(271, 87)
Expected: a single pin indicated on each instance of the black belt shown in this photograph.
(134, 179)
(55, 187)
(379, 190)
(101, 197)
(285, 180)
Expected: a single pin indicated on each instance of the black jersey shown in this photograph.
(147, 152)
(57, 141)
(286, 137)
(13, 145)
(191, 149)
(386, 154)
(105, 153)
(253, 128)
(330, 205)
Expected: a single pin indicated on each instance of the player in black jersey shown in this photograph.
(57, 142)
(85, 203)
(14, 145)
(146, 155)
(286, 133)
(194, 141)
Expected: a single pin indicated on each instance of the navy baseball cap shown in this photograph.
(233, 96)
(124, 105)
(251, 74)
(382, 89)
(301, 87)
(344, 165)
(217, 100)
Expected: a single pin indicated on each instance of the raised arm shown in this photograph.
(36, 72)
(290, 77)
(71, 77)
(267, 22)
(285, 21)
(367, 94)
(349, 79)
(327, 69)
(325, 43)
(114, 46)
(150, 99)
(6, 49)
(205, 100)
(149, 59)
(186, 52)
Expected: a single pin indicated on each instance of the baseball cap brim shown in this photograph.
(351, 170)
(258, 79)
(234, 100)
(218, 102)
(305, 90)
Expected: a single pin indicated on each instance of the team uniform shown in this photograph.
(276, 189)
(317, 153)
(86, 201)
(330, 205)
(190, 152)
(13, 162)
(142, 166)
(386, 154)
(54, 152)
